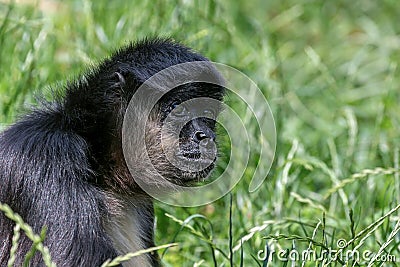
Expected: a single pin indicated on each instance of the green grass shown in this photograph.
(329, 70)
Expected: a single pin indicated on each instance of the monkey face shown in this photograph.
(186, 140)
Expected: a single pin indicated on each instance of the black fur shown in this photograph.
(61, 166)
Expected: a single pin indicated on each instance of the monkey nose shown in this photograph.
(203, 139)
(199, 135)
(207, 143)
(208, 149)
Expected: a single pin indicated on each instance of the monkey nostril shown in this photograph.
(200, 135)
(204, 141)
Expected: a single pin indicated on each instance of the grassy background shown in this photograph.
(329, 70)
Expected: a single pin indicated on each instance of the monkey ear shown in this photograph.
(119, 79)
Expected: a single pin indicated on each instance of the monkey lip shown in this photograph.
(195, 165)
(191, 155)
(197, 176)
(197, 156)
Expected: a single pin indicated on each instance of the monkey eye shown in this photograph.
(209, 113)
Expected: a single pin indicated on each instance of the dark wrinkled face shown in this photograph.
(186, 142)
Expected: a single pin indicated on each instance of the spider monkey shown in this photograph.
(62, 165)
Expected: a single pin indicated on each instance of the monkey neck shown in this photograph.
(130, 227)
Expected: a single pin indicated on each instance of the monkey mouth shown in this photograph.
(196, 176)
(195, 165)
(204, 157)
(191, 155)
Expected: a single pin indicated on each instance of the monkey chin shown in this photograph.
(196, 169)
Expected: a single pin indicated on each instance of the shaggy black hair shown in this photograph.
(61, 166)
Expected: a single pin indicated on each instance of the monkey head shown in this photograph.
(163, 100)
(183, 149)
(179, 128)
